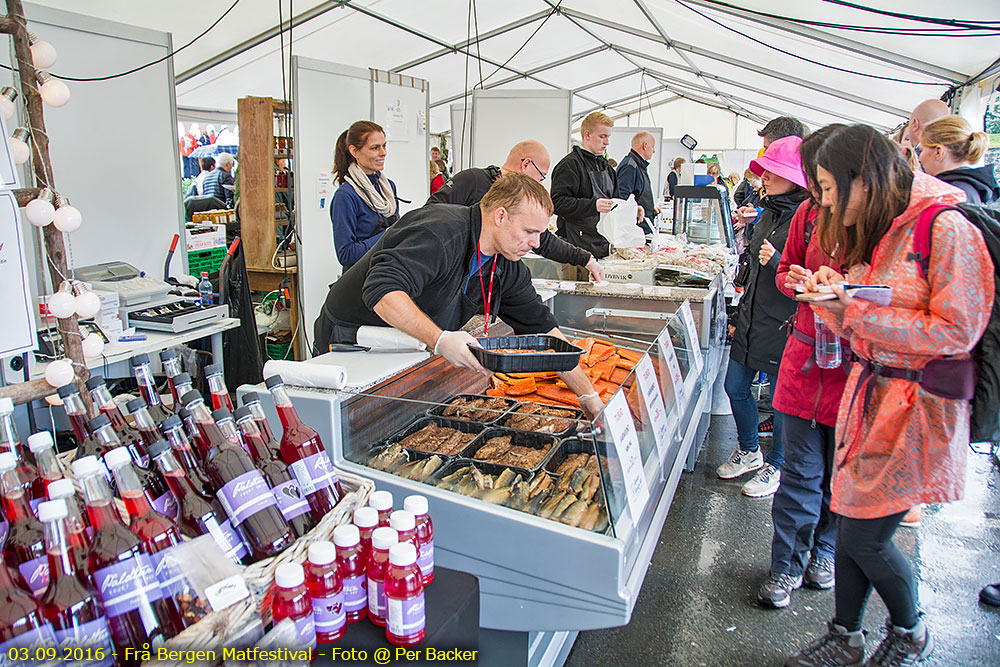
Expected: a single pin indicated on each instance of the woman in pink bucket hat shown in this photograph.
(758, 341)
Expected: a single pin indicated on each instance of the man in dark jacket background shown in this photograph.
(633, 177)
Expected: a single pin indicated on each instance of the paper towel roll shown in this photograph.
(325, 376)
(387, 338)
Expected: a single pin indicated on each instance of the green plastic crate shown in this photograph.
(278, 350)
(205, 260)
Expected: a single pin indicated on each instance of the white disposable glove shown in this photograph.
(591, 404)
(454, 346)
(596, 272)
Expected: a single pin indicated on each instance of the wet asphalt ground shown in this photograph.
(698, 607)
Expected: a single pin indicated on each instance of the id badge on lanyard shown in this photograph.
(487, 294)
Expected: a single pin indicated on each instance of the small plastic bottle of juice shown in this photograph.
(382, 502)
(366, 519)
(382, 539)
(405, 525)
(352, 563)
(291, 600)
(404, 593)
(425, 535)
(326, 591)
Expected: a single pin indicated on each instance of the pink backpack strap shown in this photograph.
(922, 237)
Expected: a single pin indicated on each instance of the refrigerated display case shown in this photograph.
(542, 581)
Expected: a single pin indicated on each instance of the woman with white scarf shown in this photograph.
(365, 203)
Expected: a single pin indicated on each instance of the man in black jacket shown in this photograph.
(439, 266)
(633, 177)
(530, 158)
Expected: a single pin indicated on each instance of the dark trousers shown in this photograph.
(867, 558)
(800, 511)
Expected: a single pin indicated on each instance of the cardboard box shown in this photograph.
(204, 237)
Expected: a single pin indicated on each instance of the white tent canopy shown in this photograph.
(702, 67)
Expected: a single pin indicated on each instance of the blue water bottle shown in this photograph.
(204, 291)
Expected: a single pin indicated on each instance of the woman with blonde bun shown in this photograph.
(949, 149)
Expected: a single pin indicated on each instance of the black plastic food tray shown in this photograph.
(520, 438)
(457, 424)
(437, 410)
(486, 468)
(565, 448)
(577, 415)
(415, 455)
(565, 358)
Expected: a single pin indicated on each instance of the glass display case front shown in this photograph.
(702, 214)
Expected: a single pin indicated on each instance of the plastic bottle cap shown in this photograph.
(322, 553)
(402, 554)
(346, 536)
(39, 441)
(158, 448)
(401, 520)
(173, 421)
(182, 378)
(51, 510)
(384, 537)
(365, 517)
(134, 405)
(67, 390)
(99, 422)
(61, 488)
(117, 458)
(94, 383)
(416, 505)
(273, 381)
(242, 413)
(221, 414)
(7, 461)
(85, 466)
(250, 398)
(380, 500)
(213, 370)
(6, 406)
(139, 360)
(190, 397)
(167, 355)
(289, 575)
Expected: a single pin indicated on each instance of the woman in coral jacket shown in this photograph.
(898, 443)
(807, 396)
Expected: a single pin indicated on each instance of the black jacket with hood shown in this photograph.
(578, 181)
(978, 183)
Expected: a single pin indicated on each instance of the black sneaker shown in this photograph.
(766, 428)
(901, 648)
(776, 591)
(819, 573)
(839, 648)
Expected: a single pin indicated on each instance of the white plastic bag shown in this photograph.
(620, 226)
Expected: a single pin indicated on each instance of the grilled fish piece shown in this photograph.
(452, 481)
(389, 458)
(535, 506)
(578, 479)
(429, 467)
(506, 478)
(541, 483)
(574, 513)
(498, 496)
(589, 518)
(519, 498)
(482, 481)
(590, 487)
(563, 505)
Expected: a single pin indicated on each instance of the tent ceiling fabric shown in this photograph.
(626, 55)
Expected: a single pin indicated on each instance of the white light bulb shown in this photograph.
(62, 304)
(87, 304)
(18, 149)
(67, 219)
(55, 93)
(39, 212)
(7, 108)
(93, 345)
(59, 372)
(43, 55)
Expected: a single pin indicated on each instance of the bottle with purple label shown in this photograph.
(148, 432)
(291, 601)
(173, 432)
(155, 488)
(22, 624)
(227, 427)
(404, 594)
(326, 591)
(304, 453)
(382, 539)
(417, 505)
(196, 515)
(252, 402)
(292, 503)
(102, 399)
(123, 574)
(32, 482)
(77, 530)
(352, 562)
(70, 602)
(24, 550)
(243, 492)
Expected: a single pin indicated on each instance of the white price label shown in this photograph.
(650, 389)
(227, 592)
(694, 341)
(670, 356)
(622, 428)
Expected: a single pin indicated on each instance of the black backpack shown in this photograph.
(985, 420)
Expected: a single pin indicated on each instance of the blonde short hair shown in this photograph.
(678, 162)
(955, 134)
(594, 119)
(510, 190)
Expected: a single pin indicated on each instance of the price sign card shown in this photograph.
(650, 389)
(670, 356)
(622, 428)
(694, 341)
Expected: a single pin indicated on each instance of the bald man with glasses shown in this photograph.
(530, 158)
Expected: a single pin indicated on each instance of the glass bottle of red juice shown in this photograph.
(291, 600)
(155, 488)
(252, 402)
(404, 594)
(32, 482)
(405, 525)
(156, 531)
(171, 362)
(217, 387)
(195, 514)
(382, 539)
(41, 445)
(223, 418)
(302, 449)
(78, 532)
(326, 592)
(200, 440)
(183, 384)
(22, 623)
(381, 501)
(417, 505)
(243, 491)
(366, 519)
(76, 412)
(147, 429)
(123, 574)
(24, 549)
(291, 502)
(147, 387)
(101, 398)
(352, 563)
(174, 433)
(70, 602)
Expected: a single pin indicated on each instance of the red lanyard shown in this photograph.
(487, 296)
